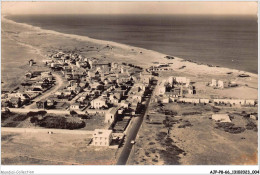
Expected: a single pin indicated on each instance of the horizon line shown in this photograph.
(152, 14)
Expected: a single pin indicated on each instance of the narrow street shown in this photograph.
(58, 84)
(137, 122)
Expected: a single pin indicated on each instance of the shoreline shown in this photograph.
(160, 56)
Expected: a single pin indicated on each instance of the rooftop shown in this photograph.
(102, 132)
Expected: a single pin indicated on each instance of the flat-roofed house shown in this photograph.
(221, 117)
(124, 104)
(98, 103)
(111, 115)
(204, 100)
(250, 102)
(165, 100)
(182, 80)
(102, 137)
(222, 84)
(189, 100)
(160, 90)
(213, 83)
(74, 106)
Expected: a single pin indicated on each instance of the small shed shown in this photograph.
(221, 117)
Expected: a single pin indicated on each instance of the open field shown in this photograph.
(195, 139)
(54, 149)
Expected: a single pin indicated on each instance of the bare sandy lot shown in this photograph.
(196, 139)
(54, 149)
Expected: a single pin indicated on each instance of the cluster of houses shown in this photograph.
(111, 89)
(173, 88)
(221, 84)
(35, 84)
(93, 84)
(161, 67)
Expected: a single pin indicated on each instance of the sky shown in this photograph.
(196, 8)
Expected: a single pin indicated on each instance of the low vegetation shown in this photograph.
(57, 122)
(230, 127)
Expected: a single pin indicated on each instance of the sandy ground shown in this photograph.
(201, 143)
(55, 149)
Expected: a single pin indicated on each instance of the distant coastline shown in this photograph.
(125, 46)
(215, 40)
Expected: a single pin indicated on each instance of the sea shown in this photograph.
(226, 41)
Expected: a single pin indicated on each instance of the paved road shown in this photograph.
(59, 83)
(137, 121)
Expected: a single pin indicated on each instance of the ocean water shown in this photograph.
(226, 41)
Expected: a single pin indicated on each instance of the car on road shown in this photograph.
(132, 142)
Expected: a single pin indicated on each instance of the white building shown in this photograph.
(111, 115)
(219, 83)
(189, 100)
(230, 101)
(183, 80)
(160, 90)
(221, 117)
(222, 84)
(204, 100)
(102, 137)
(250, 102)
(98, 103)
(74, 106)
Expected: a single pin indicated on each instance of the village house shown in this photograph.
(31, 62)
(124, 104)
(50, 103)
(75, 106)
(46, 75)
(165, 100)
(204, 100)
(20, 95)
(145, 78)
(250, 102)
(41, 104)
(137, 97)
(222, 84)
(189, 100)
(221, 117)
(213, 83)
(111, 115)
(219, 84)
(182, 80)
(114, 98)
(98, 103)
(15, 102)
(122, 78)
(160, 90)
(229, 101)
(83, 97)
(102, 137)
(140, 86)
